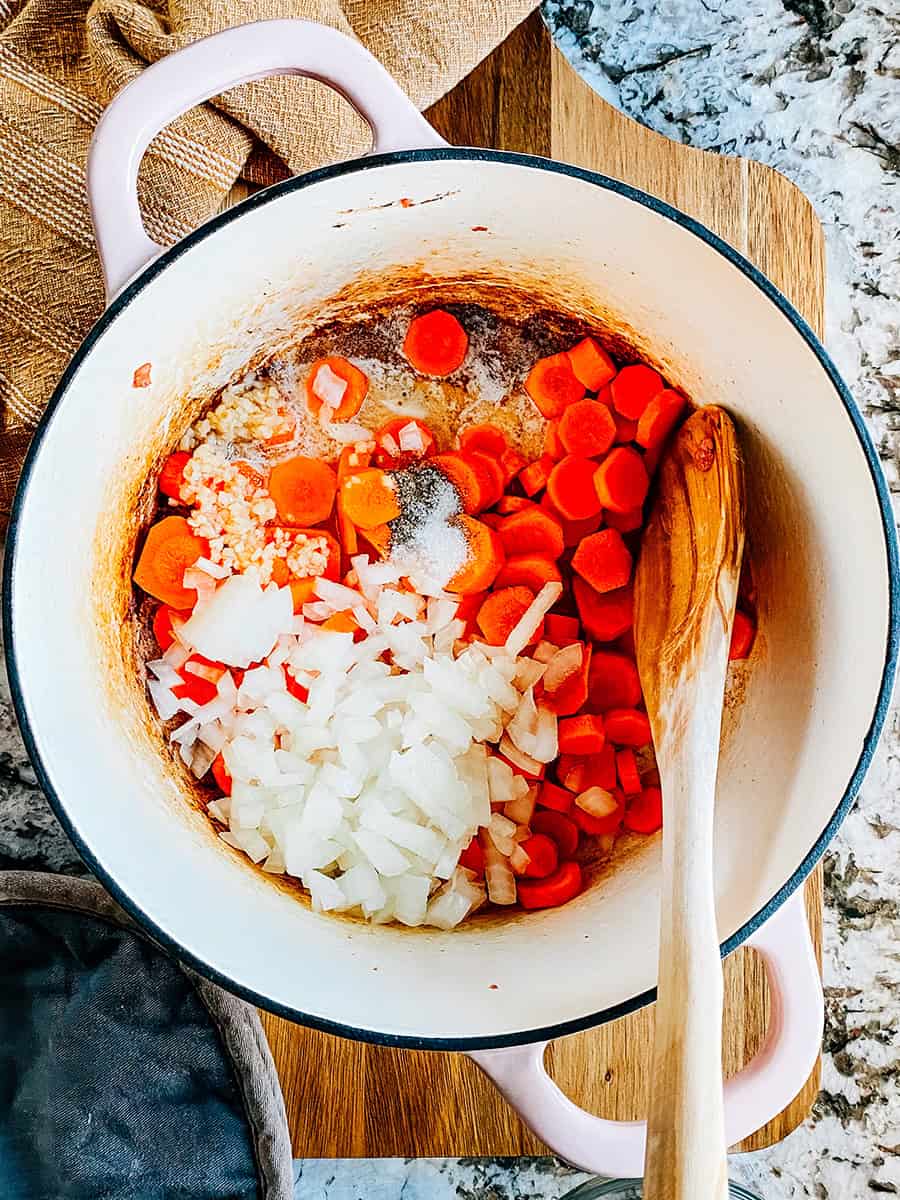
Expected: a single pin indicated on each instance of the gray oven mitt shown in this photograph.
(123, 1075)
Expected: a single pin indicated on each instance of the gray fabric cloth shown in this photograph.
(123, 1075)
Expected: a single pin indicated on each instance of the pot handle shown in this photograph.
(753, 1097)
(203, 69)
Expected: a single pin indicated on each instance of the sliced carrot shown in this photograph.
(553, 796)
(604, 396)
(494, 519)
(347, 533)
(464, 477)
(485, 557)
(501, 611)
(532, 531)
(369, 498)
(633, 389)
(485, 438)
(341, 622)
(592, 365)
(558, 826)
(544, 856)
(388, 452)
(742, 634)
(163, 632)
(221, 776)
(171, 477)
(512, 463)
(621, 480)
(531, 570)
(379, 538)
(571, 488)
(435, 343)
(587, 428)
(559, 888)
(628, 727)
(613, 682)
(571, 695)
(561, 630)
(535, 475)
(356, 386)
(303, 591)
(598, 770)
(353, 458)
(659, 418)
(603, 560)
(599, 826)
(491, 478)
(298, 690)
(467, 610)
(552, 444)
(625, 522)
(603, 615)
(644, 814)
(303, 490)
(626, 768)
(626, 430)
(582, 735)
(170, 548)
(472, 858)
(553, 385)
(514, 504)
(574, 531)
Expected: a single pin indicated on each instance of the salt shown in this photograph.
(424, 542)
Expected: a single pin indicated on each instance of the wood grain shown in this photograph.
(347, 1099)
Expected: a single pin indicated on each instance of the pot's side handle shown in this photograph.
(752, 1097)
(205, 68)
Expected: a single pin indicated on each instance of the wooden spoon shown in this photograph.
(685, 592)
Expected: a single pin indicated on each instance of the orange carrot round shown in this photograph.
(628, 727)
(379, 538)
(587, 428)
(171, 547)
(571, 488)
(535, 475)
(626, 766)
(613, 681)
(742, 634)
(582, 735)
(163, 632)
(171, 477)
(659, 418)
(513, 504)
(592, 365)
(530, 570)
(626, 430)
(435, 343)
(491, 478)
(561, 630)
(552, 444)
(464, 477)
(571, 695)
(369, 498)
(356, 387)
(501, 611)
(303, 490)
(485, 438)
(644, 813)
(603, 560)
(621, 480)
(532, 531)
(604, 615)
(512, 463)
(485, 557)
(553, 385)
(633, 389)
(625, 522)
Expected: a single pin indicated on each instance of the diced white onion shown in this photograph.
(597, 802)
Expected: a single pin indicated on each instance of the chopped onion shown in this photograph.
(527, 625)
(544, 652)
(597, 802)
(345, 432)
(214, 570)
(519, 861)
(498, 876)
(523, 761)
(521, 810)
(241, 623)
(562, 666)
(328, 386)
(411, 439)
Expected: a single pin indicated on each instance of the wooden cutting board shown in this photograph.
(345, 1099)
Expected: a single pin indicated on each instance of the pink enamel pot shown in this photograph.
(814, 694)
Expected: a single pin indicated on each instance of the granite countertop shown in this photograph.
(810, 87)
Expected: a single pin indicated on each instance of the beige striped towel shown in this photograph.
(62, 60)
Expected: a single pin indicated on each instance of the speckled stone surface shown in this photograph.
(812, 88)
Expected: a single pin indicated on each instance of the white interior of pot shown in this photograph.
(808, 693)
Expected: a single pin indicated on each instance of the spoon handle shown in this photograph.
(686, 1151)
